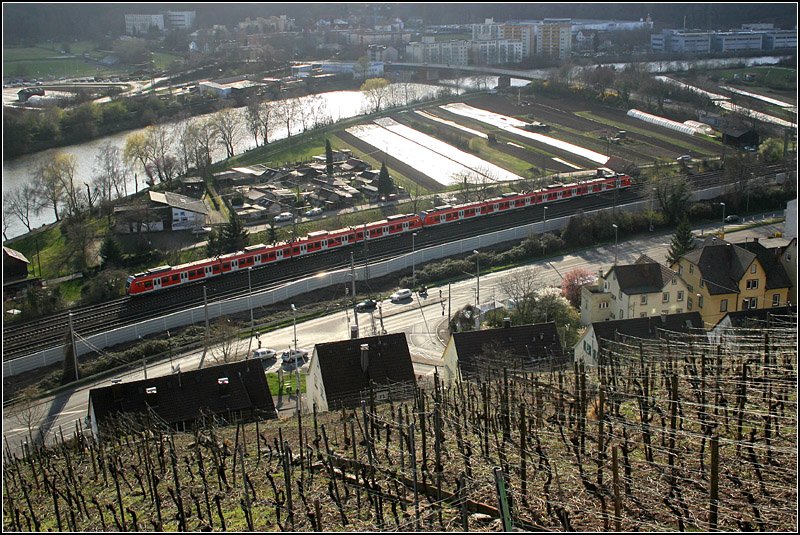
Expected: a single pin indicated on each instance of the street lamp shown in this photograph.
(723, 220)
(478, 273)
(651, 209)
(250, 304)
(296, 368)
(544, 227)
(615, 242)
(413, 261)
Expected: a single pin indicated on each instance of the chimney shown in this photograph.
(364, 357)
(755, 239)
(506, 323)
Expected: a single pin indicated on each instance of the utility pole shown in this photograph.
(205, 342)
(353, 291)
(75, 346)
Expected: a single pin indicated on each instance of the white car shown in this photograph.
(293, 355)
(264, 354)
(283, 216)
(313, 212)
(400, 295)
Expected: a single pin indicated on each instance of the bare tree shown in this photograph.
(376, 90)
(475, 183)
(21, 203)
(227, 129)
(226, 336)
(29, 414)
(110, 173)
(285, 111)
(521, 287)
(253, 112)
(266, 120)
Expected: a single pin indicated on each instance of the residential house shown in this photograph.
(754, 318)
(471, 353)
(233, 392)
(724, 277)
(164, 211)
(600, 334)
(15, 265)
(644, 288)
(341, 374)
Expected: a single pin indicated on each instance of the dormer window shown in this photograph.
(151, 396)
(224, 386)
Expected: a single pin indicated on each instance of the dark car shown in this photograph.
(733, 219)
(366, 306)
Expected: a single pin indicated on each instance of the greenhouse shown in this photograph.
(661, 121)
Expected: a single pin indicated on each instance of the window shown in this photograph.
(604, 304)
(723, 305)
(674, 280)
(679, 298)
(688, 303)
(665, 297)
(644, 300)
(620, 293)
(691, 268)
(678, 310)
(753, 268)
(680, 269)
(643, 314)
(691, 288)
(776, 300)
(702, 283)
(750, 303)
(752, 284)
(700, 301)
(621, 314)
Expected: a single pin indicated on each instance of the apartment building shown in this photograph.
(723, 277)
(642, 289)
(442, 52)
(554, 38)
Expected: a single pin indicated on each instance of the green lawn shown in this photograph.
(288, 377)
(770, 77)
(163, 60)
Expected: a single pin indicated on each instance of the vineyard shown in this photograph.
(665, 435)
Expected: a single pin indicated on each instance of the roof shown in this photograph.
(344, 378)
(175, 200)
(184, 396)
(643, 277)
(762, 315)
(536, 341)
(770, 261)
(648, 327)
(722, 265)
(16, 255)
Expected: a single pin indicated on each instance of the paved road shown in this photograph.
(419, 318)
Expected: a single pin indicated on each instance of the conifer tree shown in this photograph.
(385, 183)
(682, 241)
(328, 158)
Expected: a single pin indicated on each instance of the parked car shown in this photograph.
(366, 305)
(283, 216)
(313, 212)
(264, 354)
(400, 295)
(293, 355)
(733, 219)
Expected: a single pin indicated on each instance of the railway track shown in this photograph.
(34, 335)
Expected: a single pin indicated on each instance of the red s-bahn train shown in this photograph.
(164, 277)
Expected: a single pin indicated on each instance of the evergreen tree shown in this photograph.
(233, 235)
(110, 251)
(273, 237)
(385, 183)
(214, 243)
(328, 158)
(682, 241)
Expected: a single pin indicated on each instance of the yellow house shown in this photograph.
(723, 277)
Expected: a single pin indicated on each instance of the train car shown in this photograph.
(254, 256)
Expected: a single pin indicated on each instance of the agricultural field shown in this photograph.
(456, 138)
(665, 435)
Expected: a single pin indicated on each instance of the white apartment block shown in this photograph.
(440, 53)
(180, 20)
(777, 39)
(554, 38)
(497, 51)
(488, 31)
(736, 41)
(141, 24)
(166, 20)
